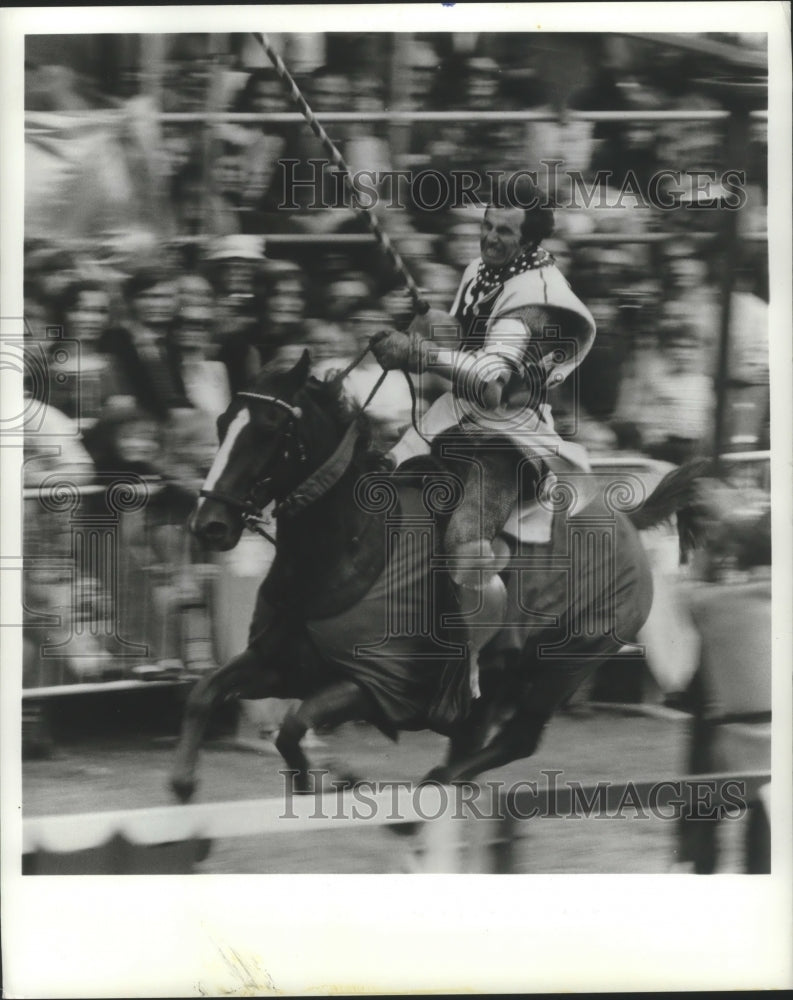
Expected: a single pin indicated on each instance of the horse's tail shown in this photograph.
(675, 494)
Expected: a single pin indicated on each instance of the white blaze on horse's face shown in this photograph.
(235, 428)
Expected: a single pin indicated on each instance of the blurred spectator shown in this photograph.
(681, 407)
(685, 278)
(178, 148)
(54, 88)
(312, 187)
(151, 588)
(440, 284)
(126, 438)
(236, 264)
(284, 305)
(461, 242)
(398, 306)
(205, 380)
(195, 292)
(56, 652)
(188, 199)
(267, 145)
(420, 84)
(623, 146)
(747, 396)
(343, 297)
(601, 370)
(36, 310)
(187, 72)
(82, 377)
(144, 359)
(226, 187)
(728, 661)
(331, 347)
(52, 444)
(51, 267)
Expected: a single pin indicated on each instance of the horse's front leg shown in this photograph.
(516, 740)
(243, 674)
(518, 737)
(340, 702)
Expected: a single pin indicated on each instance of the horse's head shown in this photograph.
(271, 437)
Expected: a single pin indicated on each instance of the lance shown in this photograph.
(420, 305)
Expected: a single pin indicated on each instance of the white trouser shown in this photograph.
(442, 415)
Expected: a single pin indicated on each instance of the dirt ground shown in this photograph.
(124, 773)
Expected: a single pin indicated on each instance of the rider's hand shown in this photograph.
(392, 349)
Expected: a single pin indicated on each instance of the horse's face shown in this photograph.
(258, 461)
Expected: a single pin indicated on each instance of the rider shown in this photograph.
(516, 331)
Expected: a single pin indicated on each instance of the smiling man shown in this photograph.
(515, 333)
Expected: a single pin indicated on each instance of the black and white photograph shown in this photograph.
(396, 446)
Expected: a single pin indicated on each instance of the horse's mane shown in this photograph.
(327, 393)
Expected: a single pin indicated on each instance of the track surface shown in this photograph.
(106, 775)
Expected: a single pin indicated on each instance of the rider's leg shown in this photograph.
(478, 554)
(341, 702)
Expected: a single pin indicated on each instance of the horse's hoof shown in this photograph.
(404, 829)
(183, 788)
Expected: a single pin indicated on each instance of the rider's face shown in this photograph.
(500, 239)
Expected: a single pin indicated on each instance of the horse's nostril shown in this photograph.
(215, 531)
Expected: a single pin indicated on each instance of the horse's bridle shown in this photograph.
(249, 508)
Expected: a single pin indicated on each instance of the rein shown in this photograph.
(413, 399)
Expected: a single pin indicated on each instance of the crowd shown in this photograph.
(140, 339)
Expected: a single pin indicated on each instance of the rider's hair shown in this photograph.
(520, 191)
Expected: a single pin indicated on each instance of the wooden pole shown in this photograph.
(736, 145)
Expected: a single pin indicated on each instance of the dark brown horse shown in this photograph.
(356, 616)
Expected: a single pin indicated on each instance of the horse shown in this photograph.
(349, 563)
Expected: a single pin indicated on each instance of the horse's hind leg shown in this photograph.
(338, 703)
(243, 674)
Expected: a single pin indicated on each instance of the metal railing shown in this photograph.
(112, 590)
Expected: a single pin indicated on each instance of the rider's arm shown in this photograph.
(493, 364)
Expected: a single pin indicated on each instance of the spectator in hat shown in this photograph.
(237, 264)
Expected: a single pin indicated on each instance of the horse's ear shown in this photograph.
(299, 373)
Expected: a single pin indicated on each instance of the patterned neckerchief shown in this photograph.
(480, 295)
